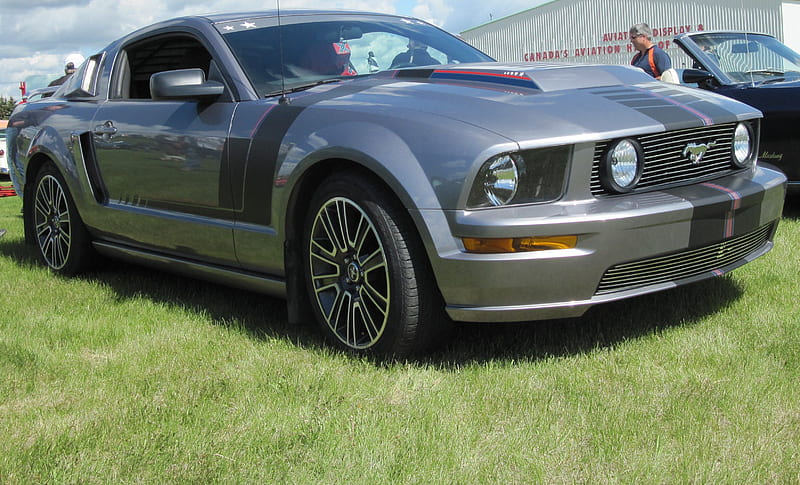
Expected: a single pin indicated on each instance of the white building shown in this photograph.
(596, 31)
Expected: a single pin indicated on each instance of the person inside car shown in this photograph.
(416, 55)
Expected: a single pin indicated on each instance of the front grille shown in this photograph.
(665, 164)
(685, 264)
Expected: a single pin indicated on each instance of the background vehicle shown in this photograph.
(382, 201)
(38, 94)
(3, 160)
(758, 70)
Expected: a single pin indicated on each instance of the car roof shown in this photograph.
(233, 16)
(216, 18)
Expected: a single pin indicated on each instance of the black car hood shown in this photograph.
(769, 97)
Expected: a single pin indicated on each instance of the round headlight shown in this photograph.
(501, 179)
(742, 146)
(623, 166)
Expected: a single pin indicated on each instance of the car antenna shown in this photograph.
(283, 99)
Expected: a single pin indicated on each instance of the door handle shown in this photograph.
(106, 129)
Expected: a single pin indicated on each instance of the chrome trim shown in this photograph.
(665, 163)
(684, 264)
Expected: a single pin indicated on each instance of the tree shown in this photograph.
(6, 107)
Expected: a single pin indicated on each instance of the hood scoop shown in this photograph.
(541, 77)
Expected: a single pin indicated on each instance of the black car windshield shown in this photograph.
(749, 57)
(318, 49)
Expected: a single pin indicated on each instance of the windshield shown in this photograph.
(749, 57)
(328, 50)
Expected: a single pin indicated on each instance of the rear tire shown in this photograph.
(62, 240)
(366, 271)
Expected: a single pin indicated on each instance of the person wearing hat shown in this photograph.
(71, 63)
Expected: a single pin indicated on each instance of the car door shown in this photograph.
(163, 161)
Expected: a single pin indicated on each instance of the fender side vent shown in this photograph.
(92, 171)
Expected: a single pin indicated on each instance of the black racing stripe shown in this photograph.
(254, 197)
(735, 210)
(259, 173)
(670, 107)
(672, 117)
(712, 110)
(237, 150)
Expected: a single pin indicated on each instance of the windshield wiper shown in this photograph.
(770, 71)
(303, 87)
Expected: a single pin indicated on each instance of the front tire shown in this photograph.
(366, 271)
(61, 238)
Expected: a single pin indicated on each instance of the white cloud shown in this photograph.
(433, 11)
(37, 38)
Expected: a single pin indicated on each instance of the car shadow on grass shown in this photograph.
(265, 318)
(261, 316)
(603, 326)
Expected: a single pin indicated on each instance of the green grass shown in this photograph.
(128, 375)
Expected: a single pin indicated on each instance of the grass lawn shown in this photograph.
(127, 375)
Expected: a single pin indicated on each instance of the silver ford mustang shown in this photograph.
(385, 177)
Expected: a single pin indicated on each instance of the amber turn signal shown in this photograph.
(518, 244)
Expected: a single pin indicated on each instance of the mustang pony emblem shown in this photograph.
(696, 151)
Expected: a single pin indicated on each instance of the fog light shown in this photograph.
(622, 166)
(742, 146)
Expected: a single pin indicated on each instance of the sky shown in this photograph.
(39, 34)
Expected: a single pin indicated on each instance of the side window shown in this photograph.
(84, 82)
(139, 61)
(91, 74)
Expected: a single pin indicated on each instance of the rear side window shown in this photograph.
(85, 80)
(91, 75)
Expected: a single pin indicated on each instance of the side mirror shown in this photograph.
(184, 84)
(691, 76)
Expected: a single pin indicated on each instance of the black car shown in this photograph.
(761, 71)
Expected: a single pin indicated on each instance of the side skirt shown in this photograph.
(247, 281)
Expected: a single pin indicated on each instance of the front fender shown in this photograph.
(426, 167)
(425, 163)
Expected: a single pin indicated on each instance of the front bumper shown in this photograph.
(627, 246)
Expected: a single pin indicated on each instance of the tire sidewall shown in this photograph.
(79, 255)
(370, 198)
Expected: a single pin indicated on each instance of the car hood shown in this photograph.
(771, 97)
(538, 104)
